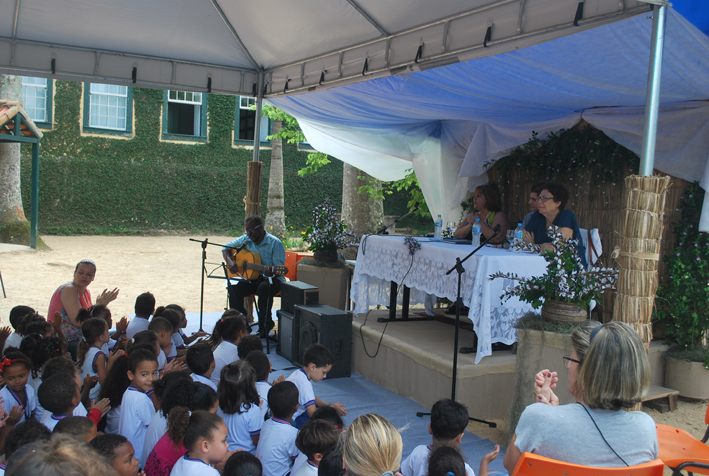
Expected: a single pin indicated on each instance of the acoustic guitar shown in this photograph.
(250, 266)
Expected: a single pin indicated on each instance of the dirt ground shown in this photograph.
(169, 267)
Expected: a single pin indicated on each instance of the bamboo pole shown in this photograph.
(638, 255)
(252, 201)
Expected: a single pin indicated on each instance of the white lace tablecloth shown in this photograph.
(382, 259)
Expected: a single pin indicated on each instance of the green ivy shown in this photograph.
(683, 297)
(99, 185)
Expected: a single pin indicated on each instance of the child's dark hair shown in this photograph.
(237, 388)
(190, 429)
(259, 361)
(331, 462)
(446, 461)
(92, 329)
(23, 434)
(144, 305)
(170, 315)
(177, 308)
(319, 355)
(229, 327)
(167, 384)
(199, 358)
(146, 337)
(328, 413)
(448, 419)
(40, 349)
(16, 358)
(243, 463)
(160, 324)
(283, 399)
(38, 327)
(28, 320)
(100, 311)
(107, 444)
(316, 436)
(16, 315)
(116, 382)
(58, 365)
(83, 315)
(248, 344)
(136, 356)
(195, 396)
(77, 426)
(56, 393)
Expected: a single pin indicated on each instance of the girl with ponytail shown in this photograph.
(204, 436)
(225, 338)
(93, 361)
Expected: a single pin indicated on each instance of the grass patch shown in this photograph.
(339, 264)
(698, 354)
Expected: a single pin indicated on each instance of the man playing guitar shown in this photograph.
(273, 253)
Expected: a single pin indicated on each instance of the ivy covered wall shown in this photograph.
(91, 184)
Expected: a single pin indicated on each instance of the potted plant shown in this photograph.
(683, 301)
(324, 269)
(566, 290)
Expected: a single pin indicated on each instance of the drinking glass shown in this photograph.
(510, 238)
(451, 227)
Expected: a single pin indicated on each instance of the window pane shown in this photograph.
(34, 97)
(108, 106)
(246, 102)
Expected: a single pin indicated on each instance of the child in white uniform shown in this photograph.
(205, 438)
(15, 369)
(137, 408)
(92, 360)
(317, 362)
(262, 367)
(200, 360)
(239, 406)
(276, 445)
(314, 439)
(144, 307)
(224, 341)
(59, 395)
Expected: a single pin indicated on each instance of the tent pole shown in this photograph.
(257, 125)
(35, 195)
(652, 100)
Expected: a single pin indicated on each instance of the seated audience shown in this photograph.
(60, 455)
(118, 452)
(613, 377)
(276, 445)
(315, 438)
(242, 463)
(81, 428)
(200, 361)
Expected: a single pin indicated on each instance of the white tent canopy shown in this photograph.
(221, 46)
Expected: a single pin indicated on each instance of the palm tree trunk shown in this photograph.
(275, 214)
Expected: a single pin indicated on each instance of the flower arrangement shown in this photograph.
(328, 233)
(412, 244)
(565, 280)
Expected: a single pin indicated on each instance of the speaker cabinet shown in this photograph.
(331, 327)
(298, 292)
(287, 335)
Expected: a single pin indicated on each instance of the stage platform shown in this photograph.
(416, 360)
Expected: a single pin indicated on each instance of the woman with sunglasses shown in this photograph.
(609, 378)
(550, 205)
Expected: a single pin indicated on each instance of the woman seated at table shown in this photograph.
(550, 207)
(596, 431)
(488, 206)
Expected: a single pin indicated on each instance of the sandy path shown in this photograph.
(167, 266)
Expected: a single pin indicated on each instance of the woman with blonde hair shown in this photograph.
(596, 431)
(371, 446)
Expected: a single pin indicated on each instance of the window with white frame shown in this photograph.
(185, 113)
(35, 98)
(247, 118)
(108, 107)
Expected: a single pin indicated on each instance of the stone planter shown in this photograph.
(559, 311)
(332, 283)
(690, 378)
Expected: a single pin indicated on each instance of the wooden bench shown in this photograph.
(661, 399)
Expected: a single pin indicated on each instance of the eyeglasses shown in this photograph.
(543, 199)
(568, 360)
(254, 228)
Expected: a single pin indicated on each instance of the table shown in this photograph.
(382, 260)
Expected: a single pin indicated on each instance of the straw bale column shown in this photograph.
(639, 253)
(252, 201)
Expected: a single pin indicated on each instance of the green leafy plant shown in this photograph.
(683, 298)
(328, 234)
(565, 279)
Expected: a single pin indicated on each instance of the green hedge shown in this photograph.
(142, 185)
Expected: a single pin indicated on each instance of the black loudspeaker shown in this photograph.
(287, 335)
(298, 292)
(323, 324)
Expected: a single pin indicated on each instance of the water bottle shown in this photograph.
(439, 227)
(519, 234)
(477, 231)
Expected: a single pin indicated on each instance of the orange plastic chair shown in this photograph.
(530, 464)
(678, 447)
(292, 265)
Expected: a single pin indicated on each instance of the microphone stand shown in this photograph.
(204, 244)
(459, 303)
(383, 230)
